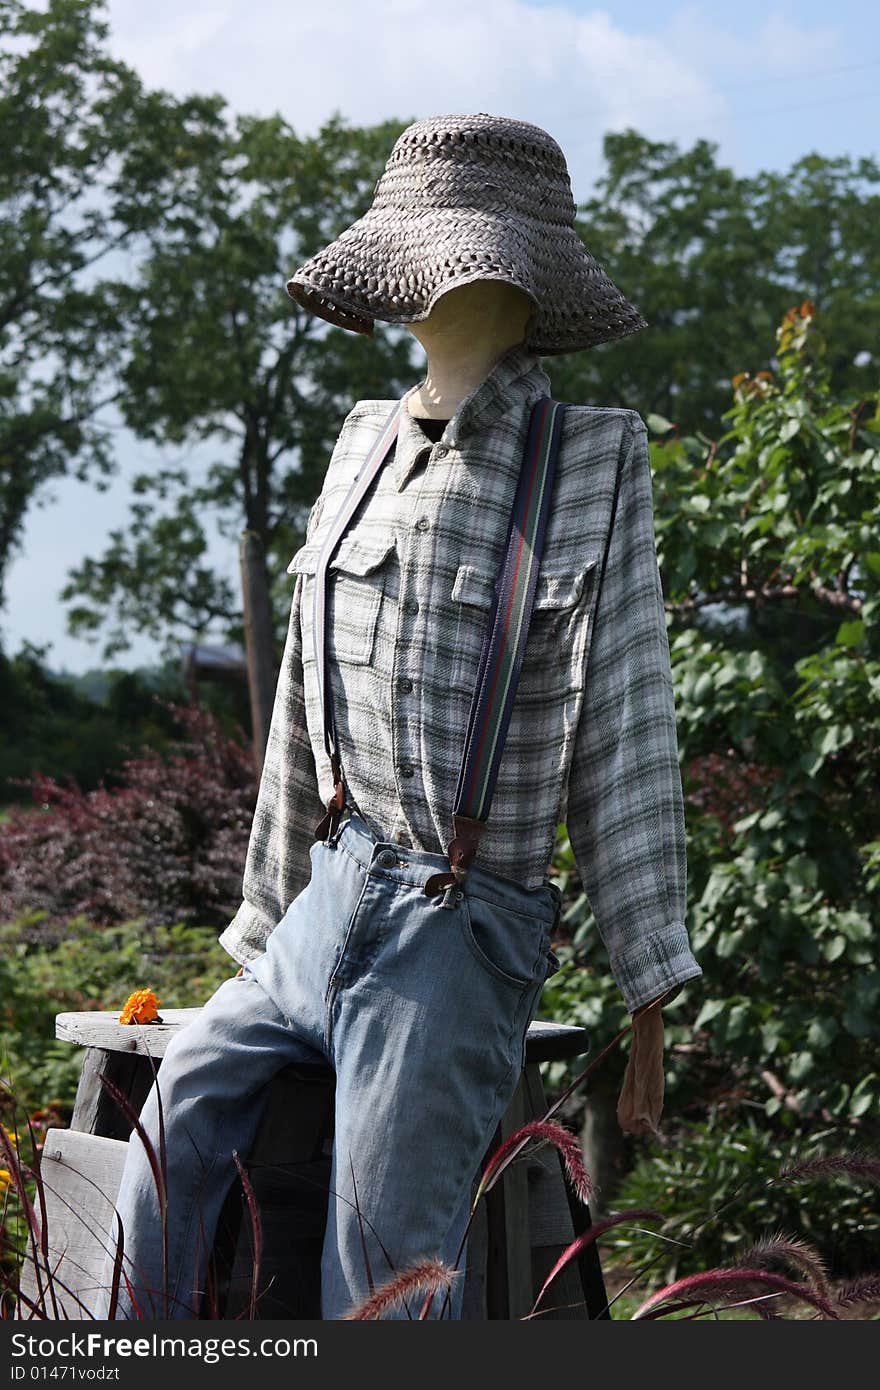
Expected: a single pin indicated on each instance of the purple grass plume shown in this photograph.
(566, 1143)
(428, 1276)
(726, 1286)
(853, 1165)
(865, 1289)
(792, 1252)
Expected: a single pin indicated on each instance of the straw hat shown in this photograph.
(465, 198)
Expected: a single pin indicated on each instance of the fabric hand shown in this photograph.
(641, 1096)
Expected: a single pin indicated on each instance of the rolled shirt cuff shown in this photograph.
(245, 937)
(661, 961)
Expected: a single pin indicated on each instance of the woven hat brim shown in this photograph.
(393, 265)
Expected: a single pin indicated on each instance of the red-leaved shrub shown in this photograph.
(168, 844)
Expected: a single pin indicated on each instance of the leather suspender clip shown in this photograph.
(335, 806)
(461, 851)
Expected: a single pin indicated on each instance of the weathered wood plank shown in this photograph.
(545, 1042)
(81, 1174)
(101, 1028)
(95, 1111)
(553, 1042)
(509, 1283)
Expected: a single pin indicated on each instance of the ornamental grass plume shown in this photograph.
(141, 1007)
(729, 1287)
(428, 1277)
(792, 1253)
(858, 1164)
(863, 1290)
(548, 1132)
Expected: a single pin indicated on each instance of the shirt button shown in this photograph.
(405, 684)
(441, 451)
(412, 606)
(407, 770)
(422, 524)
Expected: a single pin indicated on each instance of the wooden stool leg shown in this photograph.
(508, 1269)
(473, 1307)
(590, 1265)
(94, 1110)
(557, 1216)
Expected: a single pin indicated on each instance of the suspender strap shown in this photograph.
(504, 643)
(355, 495)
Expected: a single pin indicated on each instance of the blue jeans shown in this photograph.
(421, 1009)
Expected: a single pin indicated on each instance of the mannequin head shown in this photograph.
(488, 312)
(468, 330)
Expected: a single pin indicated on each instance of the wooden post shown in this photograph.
(262, 671)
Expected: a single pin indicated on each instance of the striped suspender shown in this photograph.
(355, 495)
(503, 646)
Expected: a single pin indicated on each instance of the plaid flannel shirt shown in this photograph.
(592, 739)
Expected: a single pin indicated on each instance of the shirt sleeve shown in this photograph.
(625, 812)
(278, 865)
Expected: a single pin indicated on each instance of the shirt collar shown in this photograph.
(516, 380)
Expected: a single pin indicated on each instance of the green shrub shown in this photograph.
(731, 1165)
(89, 968)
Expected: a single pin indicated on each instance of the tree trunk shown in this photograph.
(262, 671)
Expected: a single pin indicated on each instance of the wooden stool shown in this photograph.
(520, 1229)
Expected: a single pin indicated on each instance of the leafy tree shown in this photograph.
(49, 725)
(221, 356)
(713, 259)
(66, 108)
(787, 914)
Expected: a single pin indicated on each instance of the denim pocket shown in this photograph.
(553, 964)
(509, 946)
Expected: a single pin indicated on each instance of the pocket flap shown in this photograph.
(473, 586)
(305, 561)
(561, 588)
(556, 588)
(358, 554)
(354, 554)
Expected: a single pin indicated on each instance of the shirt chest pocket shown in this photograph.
(553, 659)
(356, 579)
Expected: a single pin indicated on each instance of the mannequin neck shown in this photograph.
(452, 374)
(466, 334)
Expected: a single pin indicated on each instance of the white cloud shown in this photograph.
(575, 74)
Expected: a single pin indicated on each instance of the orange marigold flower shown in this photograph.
(140, 1007)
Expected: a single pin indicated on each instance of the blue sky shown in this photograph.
(767, 82)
